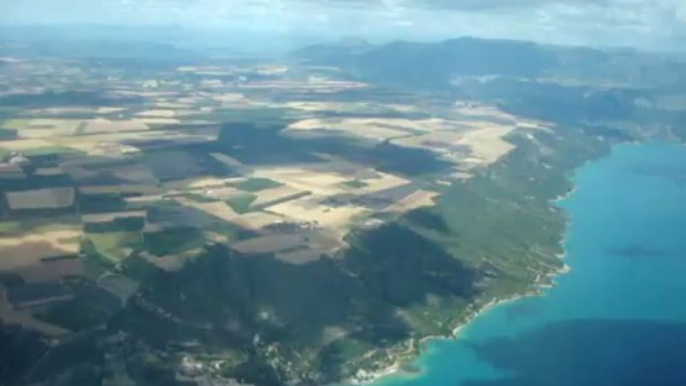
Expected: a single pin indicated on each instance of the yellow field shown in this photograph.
(472, 137)
(172, 105)
(109, 110)
(227, 160)
(44, 128)
(107, 217)
(400, 126)
(477, 147)
(96, 148)
(15, 124)
(159, 121)
(229, 97)
(28, 249)
(59, 125)
(114, 143)
(470, 109)
(157, 113)
(362, 128)
(199, 183)
(51, 198)
(323, 106)
(250, 220)
(382, 181)
(437, 141)
(54, 112)
(217, 209)
(22, 145)
(309, 209)
(49, 171)
(222, 192)
(304, 179)
(142, 200)
(313, 84)
(258, 220)
(267, 196)
(271, 69)
(418, 199)
(101, 125)
(487, 145)
(170, 263)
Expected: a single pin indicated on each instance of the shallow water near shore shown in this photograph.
(619, 316)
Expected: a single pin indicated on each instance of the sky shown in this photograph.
(633, 23)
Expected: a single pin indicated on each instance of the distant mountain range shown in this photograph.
(435, 64)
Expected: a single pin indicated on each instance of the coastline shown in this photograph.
(540, 283)
(364, 377)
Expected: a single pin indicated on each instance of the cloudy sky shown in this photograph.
(644, 23)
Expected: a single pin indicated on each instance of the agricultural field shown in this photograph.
(192, 205)
(51, 198)
(114, 247)
(241, 204)
(216, 170)
(256, 184)
(286, 151)
(32, 247)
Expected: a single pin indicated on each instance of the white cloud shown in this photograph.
(626, 22)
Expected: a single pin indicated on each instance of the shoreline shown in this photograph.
(397, 367)
(541, 282)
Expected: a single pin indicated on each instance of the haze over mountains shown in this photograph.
(651, 24)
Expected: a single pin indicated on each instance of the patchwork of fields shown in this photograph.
(99, 191)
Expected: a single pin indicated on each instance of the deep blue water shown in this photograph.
(618, 318)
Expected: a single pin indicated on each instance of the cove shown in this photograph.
(617, 318)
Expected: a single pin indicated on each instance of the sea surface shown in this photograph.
(618, 318)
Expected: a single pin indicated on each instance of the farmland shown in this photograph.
(286, 173)
(276, 222)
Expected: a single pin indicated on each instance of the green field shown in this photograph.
(241, 204)
(199, 197)
(10, 227)
(173, 240)
(15, 124)
(256, 184)
(355, 184)
(101, 202)
(123, 224)
(114, 247)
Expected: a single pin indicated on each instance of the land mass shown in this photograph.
(175, 220)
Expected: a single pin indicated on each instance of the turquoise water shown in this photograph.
(618, 318)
